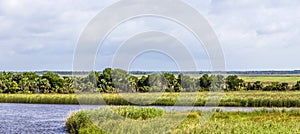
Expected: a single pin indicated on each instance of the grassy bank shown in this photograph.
(39, 98)
(149, 120)
(237, 99)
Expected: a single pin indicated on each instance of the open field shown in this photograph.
(236, 99)
(134, 120)
(266, 79)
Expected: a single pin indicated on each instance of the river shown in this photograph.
(33, 118)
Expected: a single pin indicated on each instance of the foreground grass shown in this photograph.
(236, 99)
(157, 121)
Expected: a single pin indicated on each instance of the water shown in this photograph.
(36, 118)
(32, 118)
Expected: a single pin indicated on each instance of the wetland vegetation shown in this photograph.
(130, 119)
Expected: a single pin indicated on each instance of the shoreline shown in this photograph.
(229, 99)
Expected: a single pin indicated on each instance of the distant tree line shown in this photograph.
(117, 80)
(29, 82)
(256, 73)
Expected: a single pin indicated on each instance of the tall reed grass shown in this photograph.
(39, 98)
(263, 121)
(236, 99)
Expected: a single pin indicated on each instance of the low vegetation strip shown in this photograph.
(236, 99)
(39, 98)
(274, 121)
(287, 79)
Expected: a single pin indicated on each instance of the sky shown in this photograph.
(40, 35)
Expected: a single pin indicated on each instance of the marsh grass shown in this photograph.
(87, 121)
(39, 98)
(232, 99)
(260, 121)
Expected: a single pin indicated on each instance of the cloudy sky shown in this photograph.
(254, 34)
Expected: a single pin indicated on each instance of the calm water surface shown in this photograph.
(32, 118)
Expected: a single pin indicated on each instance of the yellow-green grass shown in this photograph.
(104, 121)
(268, 79)
(237, 99)
(39, 98)
(275, 122)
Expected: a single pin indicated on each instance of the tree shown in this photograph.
(2, 86)
(249, 86)
(187, 83)
(93, 77)
(257, 85)
(217, 82)
(171, 82)
(205, 82)
(233, 82)
(296, 86)
(133, 83)
(89, 83)
(105, 86)
(55, 81)
(105, 81)
(120, 80)
(25, 85)
(69, 85)
(284, 87)
(276, 86)
(43, 85)
(12, 87)
(107, 75)
(143, 84)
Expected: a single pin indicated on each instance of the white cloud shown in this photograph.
(257, 34)
(34, 31)
(38, 35)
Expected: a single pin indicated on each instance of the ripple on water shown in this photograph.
(33, 118)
